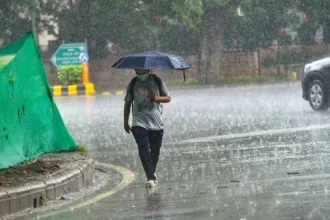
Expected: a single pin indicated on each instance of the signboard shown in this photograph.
(84, 57)
(68, 54)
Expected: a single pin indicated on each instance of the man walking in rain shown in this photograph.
(146, 93)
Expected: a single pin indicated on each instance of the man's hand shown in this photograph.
(162, 99)
(154, 96)
(127, 128)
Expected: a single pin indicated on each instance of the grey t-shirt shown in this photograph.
(146, 112)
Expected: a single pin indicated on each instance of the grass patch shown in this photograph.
(190, 81)
(43, 199)
(251, 79)
(82, 149)
(232, 80)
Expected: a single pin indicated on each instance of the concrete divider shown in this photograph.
(34, 194)
(80, 89)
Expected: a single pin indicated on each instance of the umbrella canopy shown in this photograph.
(152, 60)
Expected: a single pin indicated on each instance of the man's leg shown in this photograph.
(141, 136)
(155, 140)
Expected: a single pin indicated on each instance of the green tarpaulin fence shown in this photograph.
(30, 123)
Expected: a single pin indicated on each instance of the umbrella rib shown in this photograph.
(145, 60)
(173, 66)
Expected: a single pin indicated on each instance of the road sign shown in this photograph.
(84, 57)
(68, 54)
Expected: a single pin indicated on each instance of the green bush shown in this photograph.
(69, 75)
(82, 149)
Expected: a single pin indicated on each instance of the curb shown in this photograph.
(35, 194)
(86, 89)
(127, 178)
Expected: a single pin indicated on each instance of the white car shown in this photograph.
(316, 84)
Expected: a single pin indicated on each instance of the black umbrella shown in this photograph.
(152, 60)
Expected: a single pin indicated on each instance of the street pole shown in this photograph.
(34, 28)
(85, 67)
(85, 73)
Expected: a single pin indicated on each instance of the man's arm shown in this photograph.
(127, 111)
(164, 95)
(162, 99)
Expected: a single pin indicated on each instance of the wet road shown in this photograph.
(249, 152)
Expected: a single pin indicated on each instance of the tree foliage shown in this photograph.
(16, 19)
(317, 15)
(168, 25)
(131, 25)
(260, 25)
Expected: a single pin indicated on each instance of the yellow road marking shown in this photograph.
(106, 93)
(128, 178)
(120, 92)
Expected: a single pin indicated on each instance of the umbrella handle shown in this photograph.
(184, 75)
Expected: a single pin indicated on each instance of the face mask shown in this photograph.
(143, 77)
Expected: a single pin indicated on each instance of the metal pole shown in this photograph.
(34, 22)
(34, 28)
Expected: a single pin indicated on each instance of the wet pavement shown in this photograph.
(246, 152)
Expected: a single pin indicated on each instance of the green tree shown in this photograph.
(16, 19)
(130, 25)
(19, 16)
(181, 26)
(306, 33)
(178, 26)
(317, 14)
(97, 22)
(260, 25)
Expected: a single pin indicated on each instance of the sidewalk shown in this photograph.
(49, 177)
